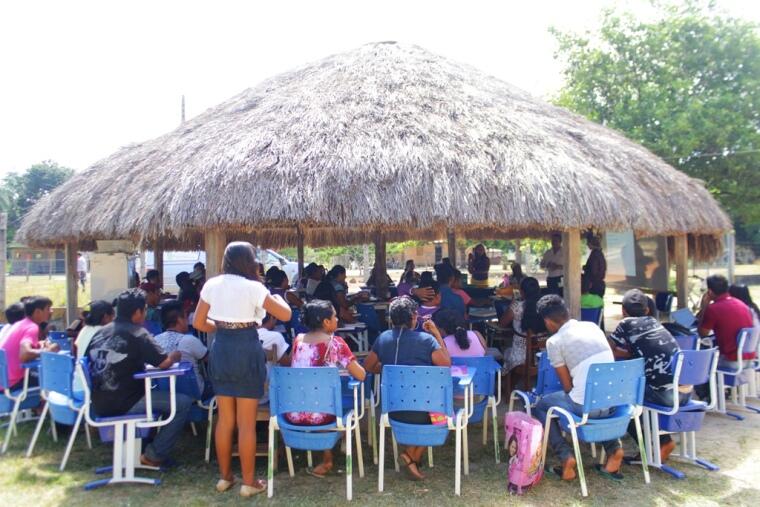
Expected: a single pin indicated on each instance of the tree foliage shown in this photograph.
(686, 85)
(19, 192)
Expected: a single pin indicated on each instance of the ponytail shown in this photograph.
(460, 334)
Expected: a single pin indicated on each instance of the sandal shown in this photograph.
(615, 476)
(247, 491)
(223, 485)
(406, 462)
(313, 471)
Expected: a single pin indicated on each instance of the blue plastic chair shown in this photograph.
(690, 367)
(684, 317)
(13, 402)
(60, 339)
(201, 410)
(425, 389)
(61, 402)
(663, 302)
(153, 327)
(737, 379)
(126, 431)
(547, 382)
(368, 315)
(617, 386)
(316, 389)
(687, 342)
(592, 315)
(486, 383)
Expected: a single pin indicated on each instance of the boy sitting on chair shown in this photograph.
(641, 335)
(116, 353)
(573, 347)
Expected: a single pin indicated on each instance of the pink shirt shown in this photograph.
(462, 294)
(475, 350)
(23, 331)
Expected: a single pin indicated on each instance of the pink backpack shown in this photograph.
(524, 439)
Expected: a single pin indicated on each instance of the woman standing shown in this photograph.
(233, 305)
(478, 264)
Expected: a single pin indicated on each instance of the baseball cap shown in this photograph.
(635, 302)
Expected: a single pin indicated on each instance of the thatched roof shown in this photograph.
(387, 136)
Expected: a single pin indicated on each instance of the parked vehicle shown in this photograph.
(176, 262)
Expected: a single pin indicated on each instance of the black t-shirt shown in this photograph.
(116, 353)
(645, 337)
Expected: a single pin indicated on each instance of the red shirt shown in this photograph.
(726, 316)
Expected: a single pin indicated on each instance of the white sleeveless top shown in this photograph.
(233, 298)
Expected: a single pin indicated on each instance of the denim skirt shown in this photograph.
(237, 363)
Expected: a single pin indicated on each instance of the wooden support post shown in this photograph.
(158, 259)
(452, 240)
(72, 283)
(299, 247)
(215, 243)
(571, 280)
(682, 270)
(381, 283)
(4, 253)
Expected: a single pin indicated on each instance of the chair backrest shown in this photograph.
(547, 381)
(60, 339)
(4, 384)
(484, 381)
(747, 340)
(592, 315)
(687, 342)
(295, 323)
(683, 317)
(87, 384)
(696, 366)
(663, 301)
(186, 384)
(56, 373)
(614, 384)
(368, 315)
(315, 389)
(420, 388)
(153, 327)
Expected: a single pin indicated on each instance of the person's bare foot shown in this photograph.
(322, 469)
(411, 467)
(614, 461)
(568, 469)
(666, 450)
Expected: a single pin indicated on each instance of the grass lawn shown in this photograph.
(42, 285)
(732, 445)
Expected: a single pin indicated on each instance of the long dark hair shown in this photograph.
(531, 293)
(453, 324)
(741, 292)
(97, 312)
(240, 260)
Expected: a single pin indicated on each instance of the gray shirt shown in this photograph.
(190, 347)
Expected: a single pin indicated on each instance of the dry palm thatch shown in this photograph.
(387, 136)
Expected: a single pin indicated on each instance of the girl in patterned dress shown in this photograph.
(320, 347)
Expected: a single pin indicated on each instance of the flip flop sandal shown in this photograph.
(249, 491)
(615, 476)
(223, 485)
(311, 472)
(555, 472)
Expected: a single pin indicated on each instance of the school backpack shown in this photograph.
(523, 443)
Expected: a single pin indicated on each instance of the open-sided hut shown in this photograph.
(385, 141)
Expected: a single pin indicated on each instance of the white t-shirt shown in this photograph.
(233, 298)
(269, 340)
(81, 264)
(578, 345)
(555, 257)
(190, 348)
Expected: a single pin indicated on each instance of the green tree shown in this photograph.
(686, 85)
(19, 192)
